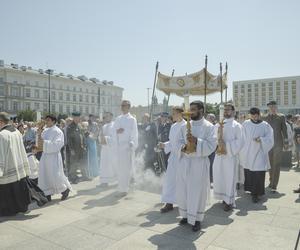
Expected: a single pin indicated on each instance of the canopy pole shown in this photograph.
(170, 93)
(205, 84)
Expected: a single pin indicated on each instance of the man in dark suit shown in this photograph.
(277, 122)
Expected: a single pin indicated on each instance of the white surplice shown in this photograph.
(192, 180)
(52, 179)
(172, 146)
(254, 155)
(109, 155)
(225, 166)
(126, 144)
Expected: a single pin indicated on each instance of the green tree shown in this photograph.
(26, 115)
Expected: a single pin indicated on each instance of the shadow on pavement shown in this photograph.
(109, 200)
(19, 217)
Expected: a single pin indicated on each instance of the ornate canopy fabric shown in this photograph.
(192, 84)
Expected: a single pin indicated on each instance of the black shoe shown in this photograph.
(167, 208)
(227, 207)
(297, 191)
(65, 194)
(183, 221)
(48, 197)
(197, 226)
(255, 198)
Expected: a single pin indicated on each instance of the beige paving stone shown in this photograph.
(243, 235)
(36, 244)
(75, 238)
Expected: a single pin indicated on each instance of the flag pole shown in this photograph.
(153, 91)
(205, 84)
(221, 81)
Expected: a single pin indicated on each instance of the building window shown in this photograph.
(68, 109)
(2, 90)
(53, 95)
(271, 96)
(86, 98)
(15, 106)
(278, 99)
(263, 94)
(15, 91)
(93, 99)
(286, 93)
(36, 93)
(68, 97)
(87, 91)
(80, 109)
(60, 107)
(68, 88)
(27, 105)
(36, 106)
(294, 94)
(45, 107)
(249, 95)
(256, 104)
(1, 106)
(27, 93)
(53, 108)
(93, 110)
(27, 82)
(74, 97)
(45, 94)
(74, 89)
(36, 83)
(61, 96)
(86, 109)
(80, 98)
(74, 108)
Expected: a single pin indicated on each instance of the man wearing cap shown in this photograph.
(52, 179)
(77, 147)
(259, 140)
(125, 128)
(277, 122)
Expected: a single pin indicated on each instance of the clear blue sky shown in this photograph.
(122, 40)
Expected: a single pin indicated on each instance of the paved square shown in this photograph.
(95, 218)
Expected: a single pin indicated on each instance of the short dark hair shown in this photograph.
(52, 117)
(4, 117)
(228, 104)
(254, 111)
(127, 102)
(199, 104)
(178, 109)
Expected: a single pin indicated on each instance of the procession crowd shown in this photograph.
(38, 160)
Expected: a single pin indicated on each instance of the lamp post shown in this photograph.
(49, 72)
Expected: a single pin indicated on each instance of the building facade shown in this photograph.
(257, 93)
(23, 88)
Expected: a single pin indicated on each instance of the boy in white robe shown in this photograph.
(193, 182)
(126, 131)
(108, 151)
(172, 146)
(225, 165)
(259, 140)
(52, 179)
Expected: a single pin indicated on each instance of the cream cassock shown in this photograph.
(108, 155)
(173, 146)
(126, 143)
(225, 166)
(193, 184)
(52, 179)
(254, 156)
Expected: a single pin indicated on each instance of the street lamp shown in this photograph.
(49, 72)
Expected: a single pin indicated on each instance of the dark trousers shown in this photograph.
(38, 155)
(211, 158)
(275, 160)
(287, 159)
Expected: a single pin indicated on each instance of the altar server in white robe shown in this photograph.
(225, 165)
(108, 151)
(52, 179)
(126, 131)
(193, 182)
(172, 146)
(254, 156)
